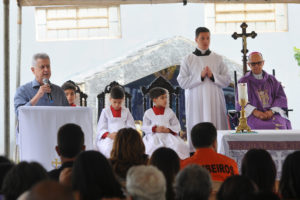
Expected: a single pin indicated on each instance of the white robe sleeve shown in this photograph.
(174, 124)
(130, 121)
(222, 78)
(280, 111)
(249, 109)
(186, 78)
(147, 125)
(102, 126)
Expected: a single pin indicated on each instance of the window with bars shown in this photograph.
(227, 18)
(77, 23)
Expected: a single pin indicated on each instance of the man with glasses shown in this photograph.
(266, 98)
(40, 92)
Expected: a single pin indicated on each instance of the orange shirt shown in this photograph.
(219, 166)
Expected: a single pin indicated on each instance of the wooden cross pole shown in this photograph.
(244, 36)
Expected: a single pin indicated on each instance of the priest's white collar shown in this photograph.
(202, 51)
(258, 76)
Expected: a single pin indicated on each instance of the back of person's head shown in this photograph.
(236, 187)
(261, 196)
(50, 190)
(128, 150)
(146, 183)
(117, 92)
(203, 135)
(5, 166)
(167, 161)
(266, 196)
(201, 30)
(4, 159)
(193, 183)
(93, 178)
(156, 92)
(70, 140)
(289, 186)
(259, 166)
(21, 178)
(68, 86)
(4, 169)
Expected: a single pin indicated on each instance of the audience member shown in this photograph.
(50, 190)
(5, 166)
(70, 142)
(259, 166)
(65, 177)
(193, 183)
(167, 161)
(236, 187)
(145, 183)
(21, 178)
(289, 186)
(3, 159)
(204, 138)
(128, 150)
(93, 177)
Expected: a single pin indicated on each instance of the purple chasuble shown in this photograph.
(265, 94)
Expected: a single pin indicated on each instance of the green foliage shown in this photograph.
(297, 55)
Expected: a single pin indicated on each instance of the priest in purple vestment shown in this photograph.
(266, 98)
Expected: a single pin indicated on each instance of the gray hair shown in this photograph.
(255, 53)
(193, 183)
(146, 183)
(39, 56)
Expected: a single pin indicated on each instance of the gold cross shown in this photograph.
(56, 163)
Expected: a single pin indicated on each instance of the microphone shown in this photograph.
(46, 82)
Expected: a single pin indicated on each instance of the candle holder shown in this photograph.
(243, 119)
(243, 100)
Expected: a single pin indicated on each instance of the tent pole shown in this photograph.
(18, 67)
(6, 79)
(19, 43)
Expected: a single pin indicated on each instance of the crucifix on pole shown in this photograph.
(244, 36)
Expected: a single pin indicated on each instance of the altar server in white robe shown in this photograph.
(203, 74)
(112, 119)
(161, 126)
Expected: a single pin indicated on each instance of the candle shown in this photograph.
(243, 92)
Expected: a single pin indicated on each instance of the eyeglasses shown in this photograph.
(256, 63)
(43, 67)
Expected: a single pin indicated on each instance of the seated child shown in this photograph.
(112, 119)
(70, 91)
(162, 127)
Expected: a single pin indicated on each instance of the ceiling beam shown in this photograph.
(118, 2)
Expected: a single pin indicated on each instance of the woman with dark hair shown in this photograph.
(167, 161)
(3, 159)
(93, 178)
(128, 150)
(289, 185)
(5, 166)
(259, 166)
(21, 178)
(236, 187)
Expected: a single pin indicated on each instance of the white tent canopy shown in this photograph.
(22, 3)
(118, 2)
